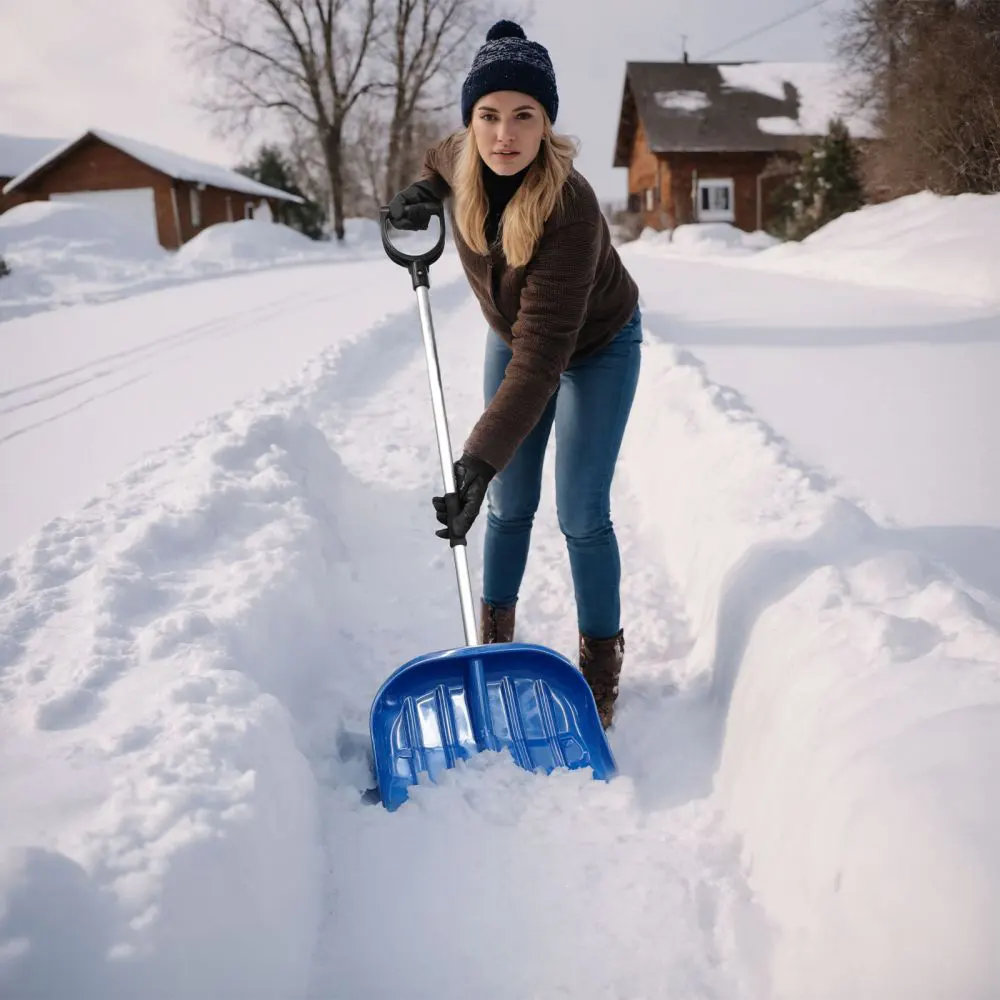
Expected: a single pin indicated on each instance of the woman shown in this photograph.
(562, 347)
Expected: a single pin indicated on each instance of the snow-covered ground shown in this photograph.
(216, 506)
(63, 253)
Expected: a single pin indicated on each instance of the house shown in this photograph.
(167, 195)
(709, 142)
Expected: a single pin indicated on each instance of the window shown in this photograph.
(195, 207)
(715, 200)
(635, 202)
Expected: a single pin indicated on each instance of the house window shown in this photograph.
(715, 200)
(635, 202)
(195, 207)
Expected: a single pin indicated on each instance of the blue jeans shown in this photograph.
(589, 409)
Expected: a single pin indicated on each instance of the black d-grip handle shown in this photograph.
(417, 264)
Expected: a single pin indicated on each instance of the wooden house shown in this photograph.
(169, 196)
(708, 142)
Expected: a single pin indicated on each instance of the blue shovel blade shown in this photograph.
(444, 707)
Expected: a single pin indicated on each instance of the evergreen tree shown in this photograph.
(4, 269)
(270, 167)
(826, 184)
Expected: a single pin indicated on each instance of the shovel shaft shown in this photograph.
(460, 552)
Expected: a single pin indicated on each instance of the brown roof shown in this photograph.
(695, 107)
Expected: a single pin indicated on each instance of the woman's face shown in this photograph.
(509, 128)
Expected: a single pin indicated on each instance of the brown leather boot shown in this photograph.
(601, 664)
(495, 624)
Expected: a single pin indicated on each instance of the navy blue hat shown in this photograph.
(508, 61)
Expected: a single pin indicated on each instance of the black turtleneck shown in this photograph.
(500, 189)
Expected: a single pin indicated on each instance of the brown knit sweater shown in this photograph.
(570, 301)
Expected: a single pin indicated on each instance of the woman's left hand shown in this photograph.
(472, 476)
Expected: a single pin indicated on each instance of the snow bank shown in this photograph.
(924, 242)
(180, 664)
(704, 239)
(858, 691)
(161, 832)
(62, 253)
(229, 244)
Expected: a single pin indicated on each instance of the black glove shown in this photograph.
(472, 476)
(414, 207)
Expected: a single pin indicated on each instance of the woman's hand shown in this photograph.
(472, 476)
(414, 207)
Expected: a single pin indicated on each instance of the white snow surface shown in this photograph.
(61, 253)
(688, 101)
(176, 165)
(216, 509)
(824, 91)
(707, 239)
(923, 242)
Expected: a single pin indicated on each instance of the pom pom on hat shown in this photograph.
(505, 29)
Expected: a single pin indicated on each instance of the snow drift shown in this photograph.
(858, 695)
(948, 245)
(181, 851)
(61, 253)
(924, 242)
(705, 239)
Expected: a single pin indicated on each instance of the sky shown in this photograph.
(119, 65)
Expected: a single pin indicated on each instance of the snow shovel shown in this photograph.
(445, 706)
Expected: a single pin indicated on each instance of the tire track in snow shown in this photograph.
(569, 886)
(150, 357)
(102, 367)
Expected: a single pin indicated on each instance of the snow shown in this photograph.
(18, 152)
(176, 165)
(688, 101)
(706, 239)
(220, 543)
(62, 253)
(858, 686)
(824, 92)
(923, 242)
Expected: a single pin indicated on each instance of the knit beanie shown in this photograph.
(508, 61)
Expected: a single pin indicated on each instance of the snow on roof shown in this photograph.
(19, 152)
(823, 92)
(176, 165)
(682, 100)
(688, 107)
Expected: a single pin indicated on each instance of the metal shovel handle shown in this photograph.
(418, 266)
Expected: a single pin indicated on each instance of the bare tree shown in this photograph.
(429, 42)
(877, 36)
(365, 154)
(304, 60)
(930, 69)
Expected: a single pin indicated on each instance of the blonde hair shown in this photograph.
(535, 200)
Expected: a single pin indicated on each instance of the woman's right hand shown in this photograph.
(414, 207)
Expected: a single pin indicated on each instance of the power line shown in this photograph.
(766, 27)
